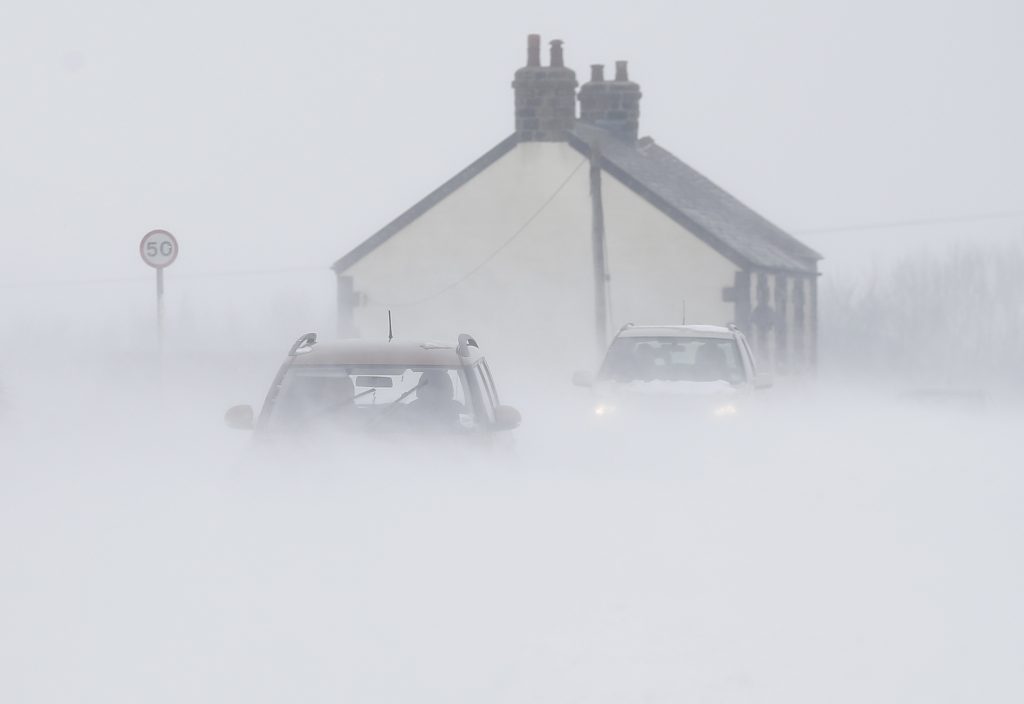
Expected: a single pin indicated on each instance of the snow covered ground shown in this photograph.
(842, 547)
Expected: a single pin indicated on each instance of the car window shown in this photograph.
(750, 356)
(310, 392)
(674, 359)
(490, 383)
(486, 398)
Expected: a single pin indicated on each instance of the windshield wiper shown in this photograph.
(408, 393)
(391, 406)
(363, 393)
(334, 407)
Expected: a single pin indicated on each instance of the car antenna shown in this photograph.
(684, 311)
(391, 334)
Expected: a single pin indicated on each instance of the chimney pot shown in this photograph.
(533, 50)
(545, 97)
(557, 60)
(611, 105)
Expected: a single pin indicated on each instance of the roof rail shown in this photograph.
(303, 344)
(625, 327)
(465, 342)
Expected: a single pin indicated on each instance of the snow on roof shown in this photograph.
(676, 331)
(382, 352)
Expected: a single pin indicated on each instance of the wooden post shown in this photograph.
(600, 258)
(741, 300)
(762, 319)
(814, 322)
(800, 357)
(781, 323)
(346, 303)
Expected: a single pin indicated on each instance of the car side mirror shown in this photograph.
(763, 380)
(240, 418)
(506, 418)
(583, 379)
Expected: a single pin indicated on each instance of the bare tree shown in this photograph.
(952, 319)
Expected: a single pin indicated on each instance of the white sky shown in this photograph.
(282, 136)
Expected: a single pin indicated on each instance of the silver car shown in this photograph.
(700, 369)
(367, 386)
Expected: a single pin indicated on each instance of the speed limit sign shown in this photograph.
(159, 249)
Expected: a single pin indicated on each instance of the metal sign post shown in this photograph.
(160, 302)
(159, 249)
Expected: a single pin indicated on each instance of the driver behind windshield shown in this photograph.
(712, 360)
(435, 402)
(710, 363)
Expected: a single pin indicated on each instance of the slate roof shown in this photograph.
(696, 203)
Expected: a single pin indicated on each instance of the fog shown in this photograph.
(833, 545)
(855, 535)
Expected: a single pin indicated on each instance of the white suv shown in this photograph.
(702, 366)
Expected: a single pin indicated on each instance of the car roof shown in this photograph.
(395, 353)
(714, 331)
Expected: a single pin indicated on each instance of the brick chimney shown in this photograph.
(545, 95)
(613, 105)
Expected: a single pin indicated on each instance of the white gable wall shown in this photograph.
(659, 271)
(534, 300)
(534, 296)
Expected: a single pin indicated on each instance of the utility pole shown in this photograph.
(346, 303)
(600, 258)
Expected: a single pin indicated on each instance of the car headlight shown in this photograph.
(725, 410)
(603, 409)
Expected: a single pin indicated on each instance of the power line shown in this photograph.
(1006, 215)
(892, 224)
(74, 282)
(148, 279)
(255, 272)
(499, 250)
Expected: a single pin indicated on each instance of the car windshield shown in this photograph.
(371, 397)
(673, 359)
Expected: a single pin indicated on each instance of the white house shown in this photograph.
(571, 227)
